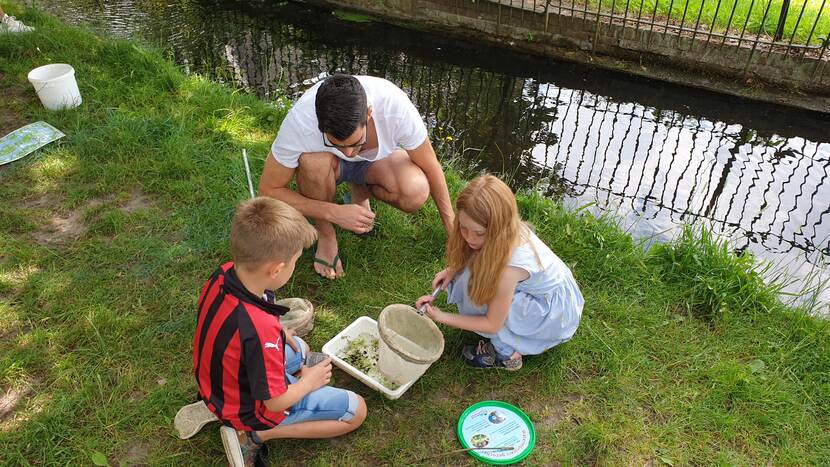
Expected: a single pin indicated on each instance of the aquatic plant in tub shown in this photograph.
(358, 350)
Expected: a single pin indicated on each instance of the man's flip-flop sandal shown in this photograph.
(332, 265)
(191, 418)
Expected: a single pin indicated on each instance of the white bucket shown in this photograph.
(56, 86)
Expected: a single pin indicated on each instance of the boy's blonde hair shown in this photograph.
(490, 203)
(265, 229)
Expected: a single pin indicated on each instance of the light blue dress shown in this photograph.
(546, 308)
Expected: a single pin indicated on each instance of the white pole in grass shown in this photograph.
(248, 172)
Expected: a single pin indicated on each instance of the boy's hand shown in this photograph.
(289, 339)
(316, 376)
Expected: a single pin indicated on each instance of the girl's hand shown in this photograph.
(425, 299)
(434, 313)
(442, 279)
(431, 311)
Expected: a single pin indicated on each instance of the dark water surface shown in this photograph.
(654, 154)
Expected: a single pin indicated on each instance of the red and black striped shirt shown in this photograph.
(238, 352)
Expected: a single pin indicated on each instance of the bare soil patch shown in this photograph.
(15, 99)
(62, 227)
(137, 201)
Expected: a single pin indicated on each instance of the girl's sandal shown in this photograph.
(483, 355)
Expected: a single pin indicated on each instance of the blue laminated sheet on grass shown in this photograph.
(26, 140)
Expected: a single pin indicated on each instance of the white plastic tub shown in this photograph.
(366, 325)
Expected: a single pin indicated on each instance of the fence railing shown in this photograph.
(770, 26)
(783, 42)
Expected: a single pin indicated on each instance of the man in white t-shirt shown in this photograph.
(364, 131)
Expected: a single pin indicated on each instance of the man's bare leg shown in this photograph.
(396, 180)
(317, 179)
(361, 196)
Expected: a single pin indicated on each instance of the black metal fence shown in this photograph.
(742, 29)
(754, 30)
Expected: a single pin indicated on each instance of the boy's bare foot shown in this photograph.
(327, 261)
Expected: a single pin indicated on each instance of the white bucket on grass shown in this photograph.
(56, 86)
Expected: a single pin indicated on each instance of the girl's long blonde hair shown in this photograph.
(490, 203)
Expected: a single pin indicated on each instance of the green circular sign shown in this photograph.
(502, 433)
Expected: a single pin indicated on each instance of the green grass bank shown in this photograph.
(683, 355)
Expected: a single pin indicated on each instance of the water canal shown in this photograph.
(653, 154)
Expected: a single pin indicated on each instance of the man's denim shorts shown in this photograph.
(353, 172)
(326, 403)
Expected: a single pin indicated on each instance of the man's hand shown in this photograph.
(448, 221)
(353, 217)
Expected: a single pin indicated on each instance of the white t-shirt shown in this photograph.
(397, 121)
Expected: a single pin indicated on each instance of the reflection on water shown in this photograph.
(656, 155)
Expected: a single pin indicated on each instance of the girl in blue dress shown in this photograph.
(507, 284)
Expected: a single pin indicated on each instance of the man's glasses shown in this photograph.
(329, 144)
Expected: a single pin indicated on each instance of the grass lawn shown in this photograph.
(682, 357)
(717, 15)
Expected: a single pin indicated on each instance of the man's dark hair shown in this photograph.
(341, 106)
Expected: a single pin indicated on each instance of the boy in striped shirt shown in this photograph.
(251, 371)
